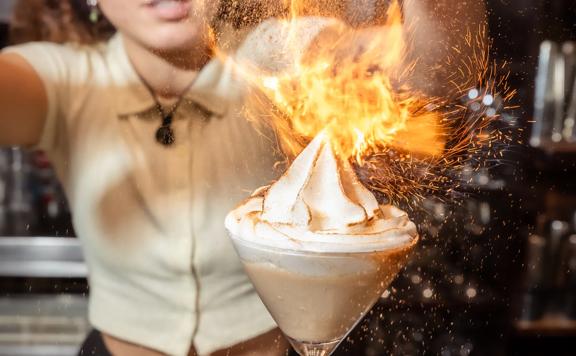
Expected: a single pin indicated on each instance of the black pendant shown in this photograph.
(165, 135)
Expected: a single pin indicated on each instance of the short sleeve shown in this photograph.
(52, 64)
(277, 45)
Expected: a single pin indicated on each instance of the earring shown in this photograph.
(94, 11)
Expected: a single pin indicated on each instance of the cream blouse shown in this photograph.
(162, 271)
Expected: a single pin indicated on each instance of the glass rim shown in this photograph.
(263, 246)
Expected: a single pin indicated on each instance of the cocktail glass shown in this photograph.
(317, 298)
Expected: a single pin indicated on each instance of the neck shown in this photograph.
(167, 73)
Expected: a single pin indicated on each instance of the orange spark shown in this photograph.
(354, 86)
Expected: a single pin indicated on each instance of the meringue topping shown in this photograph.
(319, 204)
(319, 191)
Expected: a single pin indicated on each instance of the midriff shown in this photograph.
(271, 343)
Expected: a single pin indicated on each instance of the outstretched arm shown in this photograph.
(437, 34)
(438, 30)
(23, 102)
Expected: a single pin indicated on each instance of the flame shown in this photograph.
(355, 86)
(357, 98)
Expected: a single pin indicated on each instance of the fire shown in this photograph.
(359, 99)
(355, 87)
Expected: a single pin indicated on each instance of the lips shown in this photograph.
(169, 10)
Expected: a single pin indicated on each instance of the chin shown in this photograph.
(177, 37)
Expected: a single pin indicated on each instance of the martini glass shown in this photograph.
(317, 298)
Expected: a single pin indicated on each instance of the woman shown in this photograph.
(144, 133)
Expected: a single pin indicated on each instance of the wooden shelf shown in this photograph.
(549, 326)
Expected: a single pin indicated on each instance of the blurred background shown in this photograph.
(494, 275)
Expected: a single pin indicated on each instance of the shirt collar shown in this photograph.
(132, 97)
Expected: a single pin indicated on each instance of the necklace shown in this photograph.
(165, 133)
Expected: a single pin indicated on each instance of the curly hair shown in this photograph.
(57, 21)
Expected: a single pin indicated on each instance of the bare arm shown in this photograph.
(438, 30)
(23, 102)
(437, 34)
